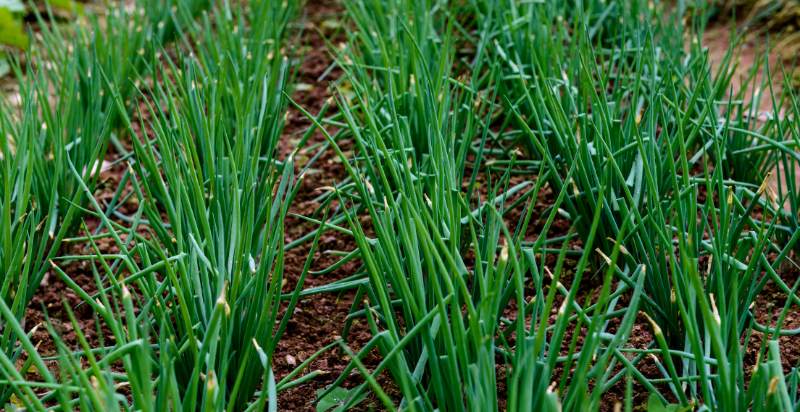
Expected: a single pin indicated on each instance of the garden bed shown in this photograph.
(409, 187)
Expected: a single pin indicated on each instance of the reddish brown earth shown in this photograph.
(317, 320)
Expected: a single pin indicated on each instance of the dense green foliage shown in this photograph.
(681, 199)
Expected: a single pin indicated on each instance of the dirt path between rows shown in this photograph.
(318, 320)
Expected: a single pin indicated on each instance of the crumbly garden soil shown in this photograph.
(318, 320)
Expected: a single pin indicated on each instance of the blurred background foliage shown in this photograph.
(14, 35)
(779, 19)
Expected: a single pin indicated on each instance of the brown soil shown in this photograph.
(55, 299)
(317, 320)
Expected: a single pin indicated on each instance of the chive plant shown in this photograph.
(438, 318)
(785, 163)
(65, 118)
(74, 385)
(412, 126)
(138, 352)
(441, 270)
(404, 105)
(216, 195)
(121, 44)
(652, 116)
(59, 122)
(662, 168)
(214, 198)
